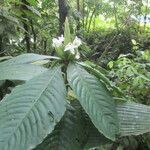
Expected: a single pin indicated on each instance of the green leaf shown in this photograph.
(134, 42)
(69, 134)
(96, 73)
(31, 111)
(20, 72)
(102, 77)
(67, 34)
(95, 66)
(41, 62)
(95, 99)
(32, 2)
(5, 58)
(110, 64)
(134, 119)
(33, 10)
(26, 58)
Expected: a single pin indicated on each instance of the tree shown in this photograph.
(24, 8)
(63, 11)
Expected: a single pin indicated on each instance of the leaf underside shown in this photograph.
(31, 111)
(134, 119)
(20, 72)
(95, 99)
(26, 59)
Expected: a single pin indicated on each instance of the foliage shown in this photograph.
(131, 74)
(34, 17)
(40, 107)
(79, 90)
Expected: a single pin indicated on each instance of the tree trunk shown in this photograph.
(78, 19)
(45, 47)
(26, 26)
(63, 11)
(34, 35)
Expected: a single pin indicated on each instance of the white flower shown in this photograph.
(77, 42)
(57, 42)
(70, 47)
(74, 45)
(77, 55)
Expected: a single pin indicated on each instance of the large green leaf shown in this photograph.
(20, 72)
(94, 66)
(69, 134)
(95, 99)
(31, 111)
(26, 58)
(134, 118)
(99, 73)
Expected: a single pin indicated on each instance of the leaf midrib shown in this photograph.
(80, 76)
(31, 108)
(87, 84)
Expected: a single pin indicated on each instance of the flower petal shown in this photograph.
(70, 47)
(57, 42)
(77, 41)
(77, 55)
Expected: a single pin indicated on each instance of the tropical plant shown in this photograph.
(44, 110)
(131, 73)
